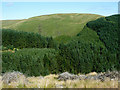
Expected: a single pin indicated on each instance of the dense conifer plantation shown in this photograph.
(26, 40)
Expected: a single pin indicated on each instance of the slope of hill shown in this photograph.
(94, 48)
(53, 25)
(108, 31)
(9, 23)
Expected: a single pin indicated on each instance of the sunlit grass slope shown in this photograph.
(9, 23)
(55, 24)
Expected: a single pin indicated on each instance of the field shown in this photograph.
(52, 25)
(8, 23)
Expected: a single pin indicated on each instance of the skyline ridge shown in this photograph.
(25, 10)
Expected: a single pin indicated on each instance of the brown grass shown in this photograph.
(0, 82)
(50, 81)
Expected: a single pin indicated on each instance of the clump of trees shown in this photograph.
(85, 57)
(26, 40)
(108, 30)
(32, 62)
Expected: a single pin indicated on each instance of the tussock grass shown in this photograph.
(50, 81)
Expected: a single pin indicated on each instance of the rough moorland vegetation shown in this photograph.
(63, 80)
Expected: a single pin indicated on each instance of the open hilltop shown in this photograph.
(52, 25)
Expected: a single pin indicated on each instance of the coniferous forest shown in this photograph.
(94, 49)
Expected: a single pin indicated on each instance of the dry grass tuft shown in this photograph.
(92, 73)
(13, 79)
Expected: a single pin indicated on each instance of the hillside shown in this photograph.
(52, 25)
(94, 49)
(9, 23)
(108, 31)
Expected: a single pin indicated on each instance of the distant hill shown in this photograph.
(52, 25)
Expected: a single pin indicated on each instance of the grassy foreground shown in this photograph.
(50, 81)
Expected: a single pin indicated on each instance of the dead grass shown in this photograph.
(50, 81)
(0, 82)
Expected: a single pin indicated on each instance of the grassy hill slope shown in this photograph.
(55, 24)
(9, 23)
